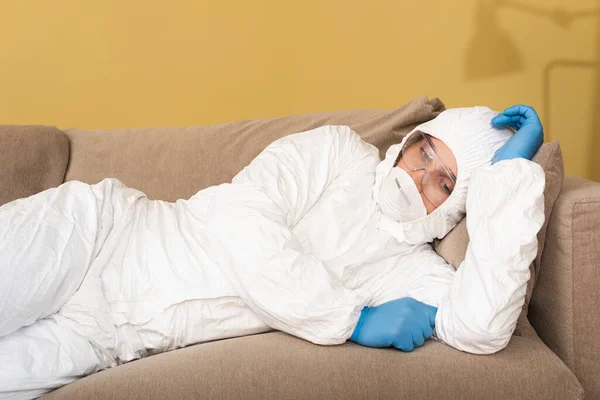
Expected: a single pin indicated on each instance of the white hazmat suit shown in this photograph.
(95, 275)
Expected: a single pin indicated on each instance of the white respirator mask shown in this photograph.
(399, 197)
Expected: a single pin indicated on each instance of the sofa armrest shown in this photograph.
(33, 158)
(565, 303)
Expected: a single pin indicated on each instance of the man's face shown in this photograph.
(434, 158)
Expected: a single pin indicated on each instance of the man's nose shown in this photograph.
(417, 177)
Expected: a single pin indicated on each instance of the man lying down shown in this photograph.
(316, 237)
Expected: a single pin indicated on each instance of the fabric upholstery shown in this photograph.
(454, 246)
(279, 366)
(34, 158)
(172, 163)
(565, 304)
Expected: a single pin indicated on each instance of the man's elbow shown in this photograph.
(481, 343)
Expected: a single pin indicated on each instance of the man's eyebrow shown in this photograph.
(436, 152)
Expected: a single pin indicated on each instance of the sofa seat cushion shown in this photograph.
(278, 366)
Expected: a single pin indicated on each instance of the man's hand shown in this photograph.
(403, 323)
(528, 137)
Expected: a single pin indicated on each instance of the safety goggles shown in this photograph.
(418, 154)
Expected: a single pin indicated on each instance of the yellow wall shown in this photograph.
(109, 64)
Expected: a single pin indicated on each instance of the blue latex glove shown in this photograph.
(403, 323)
(528, 137)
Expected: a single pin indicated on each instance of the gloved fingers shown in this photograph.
(426, 329)
(431, 313)
(417, 335)
(521, 109)
(404, 342)
(503, 120)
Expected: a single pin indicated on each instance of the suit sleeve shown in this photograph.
(249, 230)
(479, 304)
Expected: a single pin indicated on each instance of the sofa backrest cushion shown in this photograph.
(172, 163)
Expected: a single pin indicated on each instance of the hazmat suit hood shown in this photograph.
(473, 140)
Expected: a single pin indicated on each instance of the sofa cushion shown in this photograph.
(34, 158)
(278, 366)
(173, 163)
(454, 246)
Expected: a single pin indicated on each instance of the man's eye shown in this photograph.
(424, 155)
(446, 187)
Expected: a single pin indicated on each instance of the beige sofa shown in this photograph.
(170, 163)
